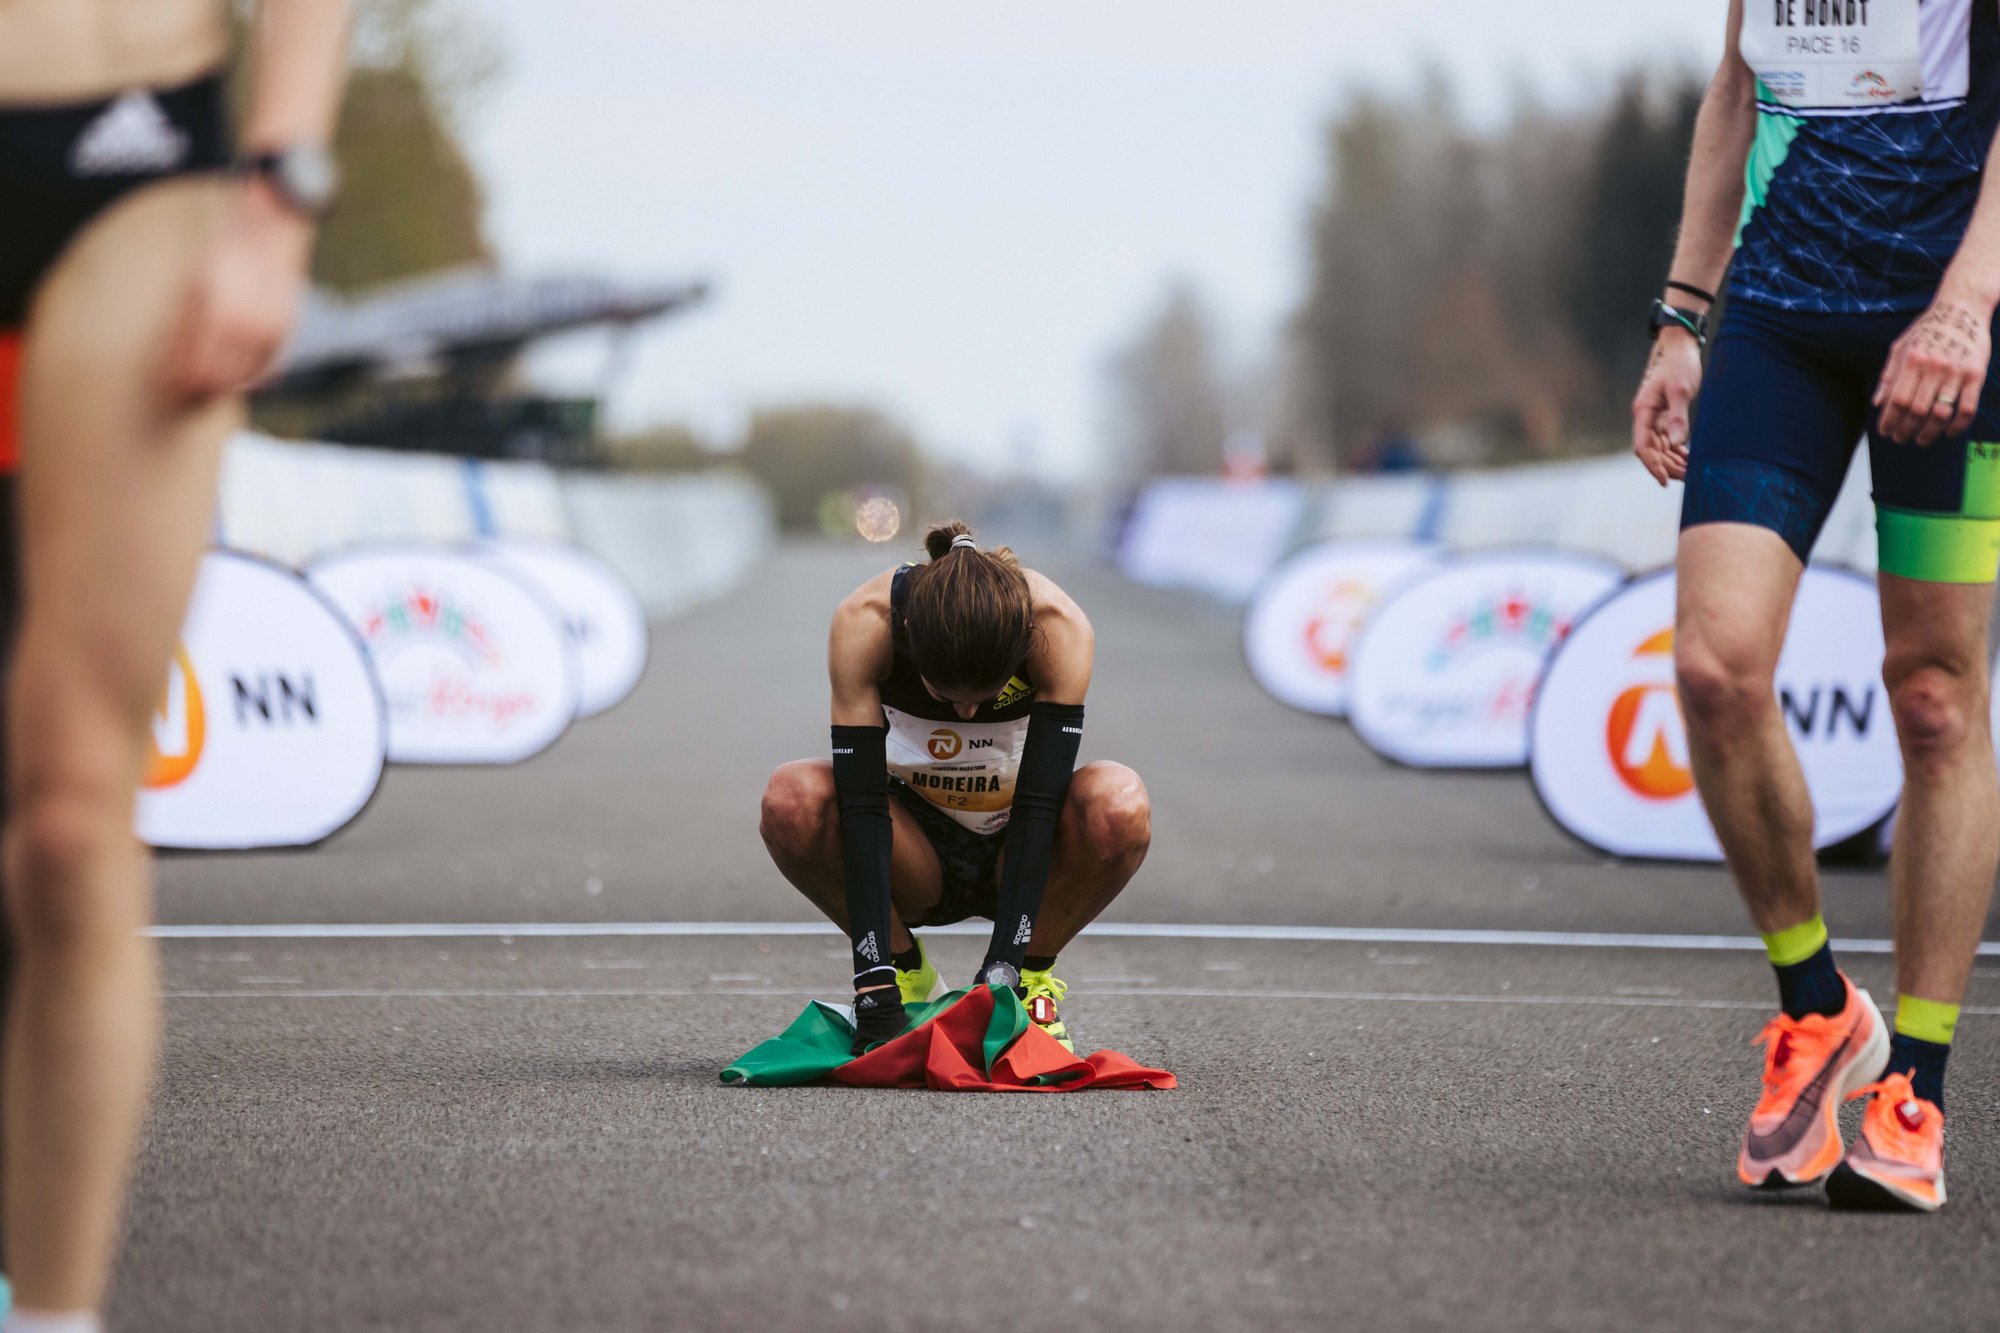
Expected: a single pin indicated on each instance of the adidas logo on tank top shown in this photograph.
(131, 137)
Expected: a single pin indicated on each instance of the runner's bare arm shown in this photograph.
(246, 292)
(1931, 384)
(1710, 207)
(1065, 650)
(859, 653)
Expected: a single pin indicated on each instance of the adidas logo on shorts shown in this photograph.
(132, 137)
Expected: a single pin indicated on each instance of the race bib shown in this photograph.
(1836, 54)
(965, 769)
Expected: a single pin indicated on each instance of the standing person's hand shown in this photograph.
(1930, 387)
(244, 295)
(1660, 408)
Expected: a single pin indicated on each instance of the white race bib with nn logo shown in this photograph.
(1847, 55)
(965, 769)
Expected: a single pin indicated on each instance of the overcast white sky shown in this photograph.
(956, 208)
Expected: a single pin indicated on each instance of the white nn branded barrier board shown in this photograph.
(475, 665)
(272, 729)
(1609, 750)
(600, 612)
(1444, 673)
(1302, 622)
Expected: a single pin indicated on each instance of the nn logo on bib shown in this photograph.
(945, 744)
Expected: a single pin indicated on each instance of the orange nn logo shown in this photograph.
(1644, 734)
(180, 725)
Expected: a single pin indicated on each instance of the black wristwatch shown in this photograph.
(1669, 316)
(304, 177)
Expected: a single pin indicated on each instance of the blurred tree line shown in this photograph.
(410, 199)
(1473, 296)
(800, 452)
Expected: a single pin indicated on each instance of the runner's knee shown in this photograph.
(1117, 813)
(1720, 687)
(1938, 708)
(797, 816)
(60, 839)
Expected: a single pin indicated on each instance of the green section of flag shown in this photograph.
(1009, 1021)
(821, 1040)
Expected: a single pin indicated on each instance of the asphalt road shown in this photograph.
(519, 1132)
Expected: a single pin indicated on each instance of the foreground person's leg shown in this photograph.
(116, 496)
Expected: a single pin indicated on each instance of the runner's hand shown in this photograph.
(1660, 409)
(1930, 387)
(243, 298)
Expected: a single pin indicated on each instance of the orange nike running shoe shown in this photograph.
(1810, 1063)
(1898, 1162)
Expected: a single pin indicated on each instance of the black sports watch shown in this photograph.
(1667, 316)
(305, 177)
(998, 973)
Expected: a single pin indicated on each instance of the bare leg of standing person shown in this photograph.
(117, 485)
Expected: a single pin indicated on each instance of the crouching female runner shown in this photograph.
(953, 792)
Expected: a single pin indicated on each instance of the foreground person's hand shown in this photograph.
(1930, 387)
(1660, 409)
(243, 297)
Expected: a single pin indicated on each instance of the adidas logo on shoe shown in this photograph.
(132, 137)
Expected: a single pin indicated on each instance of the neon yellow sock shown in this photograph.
(1795, 944)
(1926, 1020)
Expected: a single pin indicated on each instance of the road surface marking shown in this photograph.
(1113, 930)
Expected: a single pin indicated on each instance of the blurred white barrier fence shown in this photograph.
(295, 502)
(1404, 505)
(1219, 537)
(678, 540)
(1222, 537)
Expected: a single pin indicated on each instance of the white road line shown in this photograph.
(1151, 992)
(1128, 930)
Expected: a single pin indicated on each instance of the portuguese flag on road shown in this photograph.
(979, 1040)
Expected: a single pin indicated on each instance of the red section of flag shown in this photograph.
(948, 1054)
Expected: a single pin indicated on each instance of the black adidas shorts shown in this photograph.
(60, 166)
(971, 862)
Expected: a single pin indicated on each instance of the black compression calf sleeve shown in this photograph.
(1048, 761)
(861, 790)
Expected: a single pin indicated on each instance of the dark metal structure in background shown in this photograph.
(429, 364)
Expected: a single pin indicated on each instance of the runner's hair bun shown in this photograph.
(941, 540)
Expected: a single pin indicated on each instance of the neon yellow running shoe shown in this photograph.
(1042, 992)
(917, 986)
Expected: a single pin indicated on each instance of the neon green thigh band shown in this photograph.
(1937, 548)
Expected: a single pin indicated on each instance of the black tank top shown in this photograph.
(966, 769)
